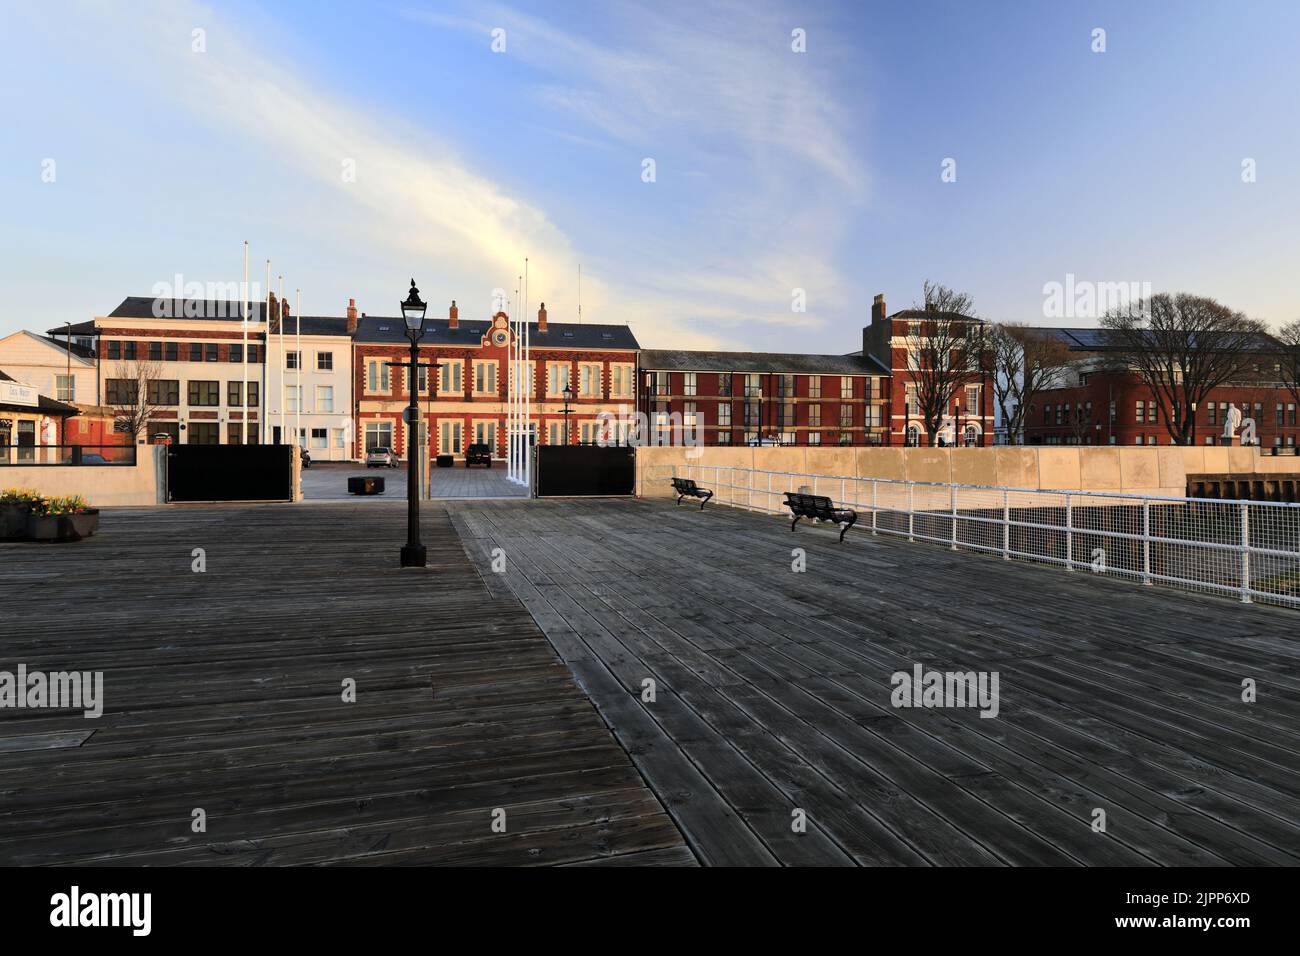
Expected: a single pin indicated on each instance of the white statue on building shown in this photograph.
(1231, 422)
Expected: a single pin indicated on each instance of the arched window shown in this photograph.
(970, 436)
(913, 435)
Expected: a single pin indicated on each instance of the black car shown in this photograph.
(478, 454)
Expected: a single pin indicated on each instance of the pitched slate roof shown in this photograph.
(316, 325)
(221, 310)
(924, 314)
(78, 350)
(559, 335)
(684, 360)
(1098, 339)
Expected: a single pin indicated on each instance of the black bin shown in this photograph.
(365, 485)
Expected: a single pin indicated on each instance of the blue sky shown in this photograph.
(775, 170)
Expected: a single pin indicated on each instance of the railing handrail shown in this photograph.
(1034, 491)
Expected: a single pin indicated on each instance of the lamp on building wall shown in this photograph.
(413, 552)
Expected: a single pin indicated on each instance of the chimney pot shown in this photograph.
(352, 317)
(541, 318)
(453, 316)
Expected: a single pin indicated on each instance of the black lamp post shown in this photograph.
(413, 554)
(567, 411)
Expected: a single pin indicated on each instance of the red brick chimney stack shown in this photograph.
(272, 313)
(541, 318)
(878, 308)
(352, 317)
(284, 311)
(453, 316)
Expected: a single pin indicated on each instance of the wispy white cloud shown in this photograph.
(415, 194)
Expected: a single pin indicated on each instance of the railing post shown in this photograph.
(911, 511)
(1146, 541)
(1245, 552)
(952, 507)
(1006, 526)
(874, 485)
(1069, 534)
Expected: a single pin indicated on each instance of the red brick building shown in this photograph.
(893, 340)
(467, 400)
(739, 398)
(1100, 405)
(195, 351)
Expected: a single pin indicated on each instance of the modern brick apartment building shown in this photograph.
(468, 399)
(196, 349)
(1101, 405)
(739, 398)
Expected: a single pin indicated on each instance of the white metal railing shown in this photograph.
(1249, 549)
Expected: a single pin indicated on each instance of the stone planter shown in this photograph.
(13, 522)
(63, 527)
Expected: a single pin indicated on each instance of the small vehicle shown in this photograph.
(381, 458)
(478, 453)
(93, 459)
(306, 458)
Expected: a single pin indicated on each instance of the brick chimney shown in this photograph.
(352, 317)
(453, 316)
(284, 311)
(875, 337)
(541, 318)
(272, 313)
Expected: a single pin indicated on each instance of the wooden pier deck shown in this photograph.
(772, 692)
(224, 692)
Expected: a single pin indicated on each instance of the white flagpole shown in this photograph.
(523, 449)
(248, 302)
(528, 408)
(283, 364)
(297, 415)
(510, 448)
(266, 359)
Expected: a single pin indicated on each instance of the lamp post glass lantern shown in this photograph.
(413, 552)
(567, 411)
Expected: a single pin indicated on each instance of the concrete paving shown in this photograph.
(328, 481)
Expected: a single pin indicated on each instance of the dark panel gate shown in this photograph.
(230, 473)
(583, 470)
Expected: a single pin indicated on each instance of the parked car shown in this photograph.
(478, 454)
(381, 458)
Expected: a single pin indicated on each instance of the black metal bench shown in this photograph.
(819, 508)
(687, 488)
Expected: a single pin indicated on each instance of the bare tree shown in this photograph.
(945, 350)
(1025, 361)
(1082, 422)
(1289, 358)
(1183, 347)
(131, 395)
